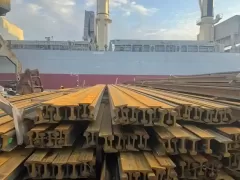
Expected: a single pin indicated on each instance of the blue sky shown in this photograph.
(132, 19)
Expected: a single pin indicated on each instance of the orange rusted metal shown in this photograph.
(81, 105)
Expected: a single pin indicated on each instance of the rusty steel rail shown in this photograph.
(105, 173)
(11, 163)
(54, 136)
(8, 134)
(106, 132)
(232, 133)
(81, 105)
(204, 135)
(197, 167)
(130, 138)
(197, 110)
(233, 162)
(177, 140)
(64, 163)
(31, 96)
(234, 105)
(135, 165)
(222, 175)
(92, 132)
(33, 102)
(129, 107)
(223, 92)
(7, 131)
(193, 140)
(136, 126)
(221, 144)
(183, 108)
(28, 96)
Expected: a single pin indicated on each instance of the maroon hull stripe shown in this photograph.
(54, 81)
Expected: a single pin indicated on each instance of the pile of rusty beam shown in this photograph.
(54, 135)
(68, 163)
(11, 163)
(194, 153)
(144, 133)
(192, 109)
(219, 79)
(189, 148)
(215, 85)
(81, 105)
(232, 161)
(12, 157)
(91, 134)
(66, 134)
(27, 102)
(145, 165)
(129, 107)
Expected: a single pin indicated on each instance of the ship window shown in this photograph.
(177, 49)
(128, 48)
(211, 49)
(146, 48)
(160, 48)
(137, 48)
(184, 48)
(193, 48)
(203, 48)
(117, 48)
(206, 48)
(170, 48)
(152, 48)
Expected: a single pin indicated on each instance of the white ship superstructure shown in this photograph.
(71, 63)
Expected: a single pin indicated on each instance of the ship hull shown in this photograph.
(54, 81)
(72, 68)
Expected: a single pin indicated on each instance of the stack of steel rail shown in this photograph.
(221, 85)
(71, 123)
(161, 135)
(145, 133)
(11, 156)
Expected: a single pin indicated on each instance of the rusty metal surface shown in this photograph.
(105, 174)
(153, 135)
(197, 167)
(130, 107)
(29, 104)
(233, 133)
(195, 109)
(81, 105)
(106, 132)
(232, 162)
(67, 163)
(54, 136)
(204, 135)
(11, 163)
(135, 166)
(227, 92)
(130, 138)
(92, 131)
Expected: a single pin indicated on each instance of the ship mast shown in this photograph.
(207, 20)
(102, 22)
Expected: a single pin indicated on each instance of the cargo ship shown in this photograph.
(79, 68)
(92, 61)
